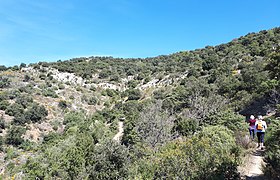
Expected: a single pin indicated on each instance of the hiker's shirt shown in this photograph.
(252, 123)
(262, 124)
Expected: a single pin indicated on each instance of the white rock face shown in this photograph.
(67, 77)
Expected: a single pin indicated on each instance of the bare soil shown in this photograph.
(252, 168)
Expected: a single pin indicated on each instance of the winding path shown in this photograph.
(118, 136)
(252, 169)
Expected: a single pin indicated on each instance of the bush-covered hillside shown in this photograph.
(178, 116)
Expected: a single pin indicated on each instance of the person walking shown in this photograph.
(260, 127)
(252, 122)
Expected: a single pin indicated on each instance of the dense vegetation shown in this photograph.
(182, 113)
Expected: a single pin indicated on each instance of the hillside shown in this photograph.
(166, 117)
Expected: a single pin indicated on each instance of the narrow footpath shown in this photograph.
(252, 168)
(119, 135)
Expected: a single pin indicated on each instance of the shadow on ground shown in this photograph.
(258, 152)
(256, 178)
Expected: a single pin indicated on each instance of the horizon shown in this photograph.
(39, 31)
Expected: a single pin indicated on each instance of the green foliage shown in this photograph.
(159, 94)
(211, 154)
(14, 109)
(49, 92)
(73, 118)
(20, 119)
(27, 89)
(111, 92)
(2, 123)
(109, 161)
(10, 153)
(42, 76)
(92, 88)
(274, 64)
(13, 94)
(3, 68)
(4, 95)
(77, 157)
(1, 143)
(132, 84)
(154, 126)
(134, 94)
(24, 100)
(64, 160)
(186, 127)
(272, 155)
(61, 86)
(104, 74)
(14, 134)
(229, 119)
(4, 82)
(92, 100)
(4, 104)
(26, 78)
(229, 86)
(36, 113)
(62, 104)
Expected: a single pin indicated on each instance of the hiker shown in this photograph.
(252, 122)
(260, 127)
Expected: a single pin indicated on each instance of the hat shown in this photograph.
(252, 117)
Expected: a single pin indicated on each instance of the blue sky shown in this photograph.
(51, 30)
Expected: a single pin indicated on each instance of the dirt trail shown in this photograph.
(252, 168)
(118, 136)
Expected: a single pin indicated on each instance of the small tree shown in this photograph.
(154, 127)
(134, 94)
(26, 78)
(62, 104)
(36, 113)
(4, 82)
(14, 134)
(14, 109)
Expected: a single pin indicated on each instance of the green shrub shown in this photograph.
(4, 95)
(2, 123)
(228, 119)
(10, 153)
(14, 109)
(1, 143)
(110, 92)
(14, 134)
(134, 94)
(4, 104)
(24, 100)
(42, 76)
(36, 113)
(210, 154)
(49, 92)
(272, 155)
(132, 83)
(186, 126)
(20, 119)
(92, 100)
(92, 88)
(62, 104)
(4, 82)
(110, 161)
(27, 89)
(61, 86)
(26, 78)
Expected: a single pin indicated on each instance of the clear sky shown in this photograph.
(50, 30)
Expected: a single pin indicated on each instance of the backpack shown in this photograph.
(259, 126)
